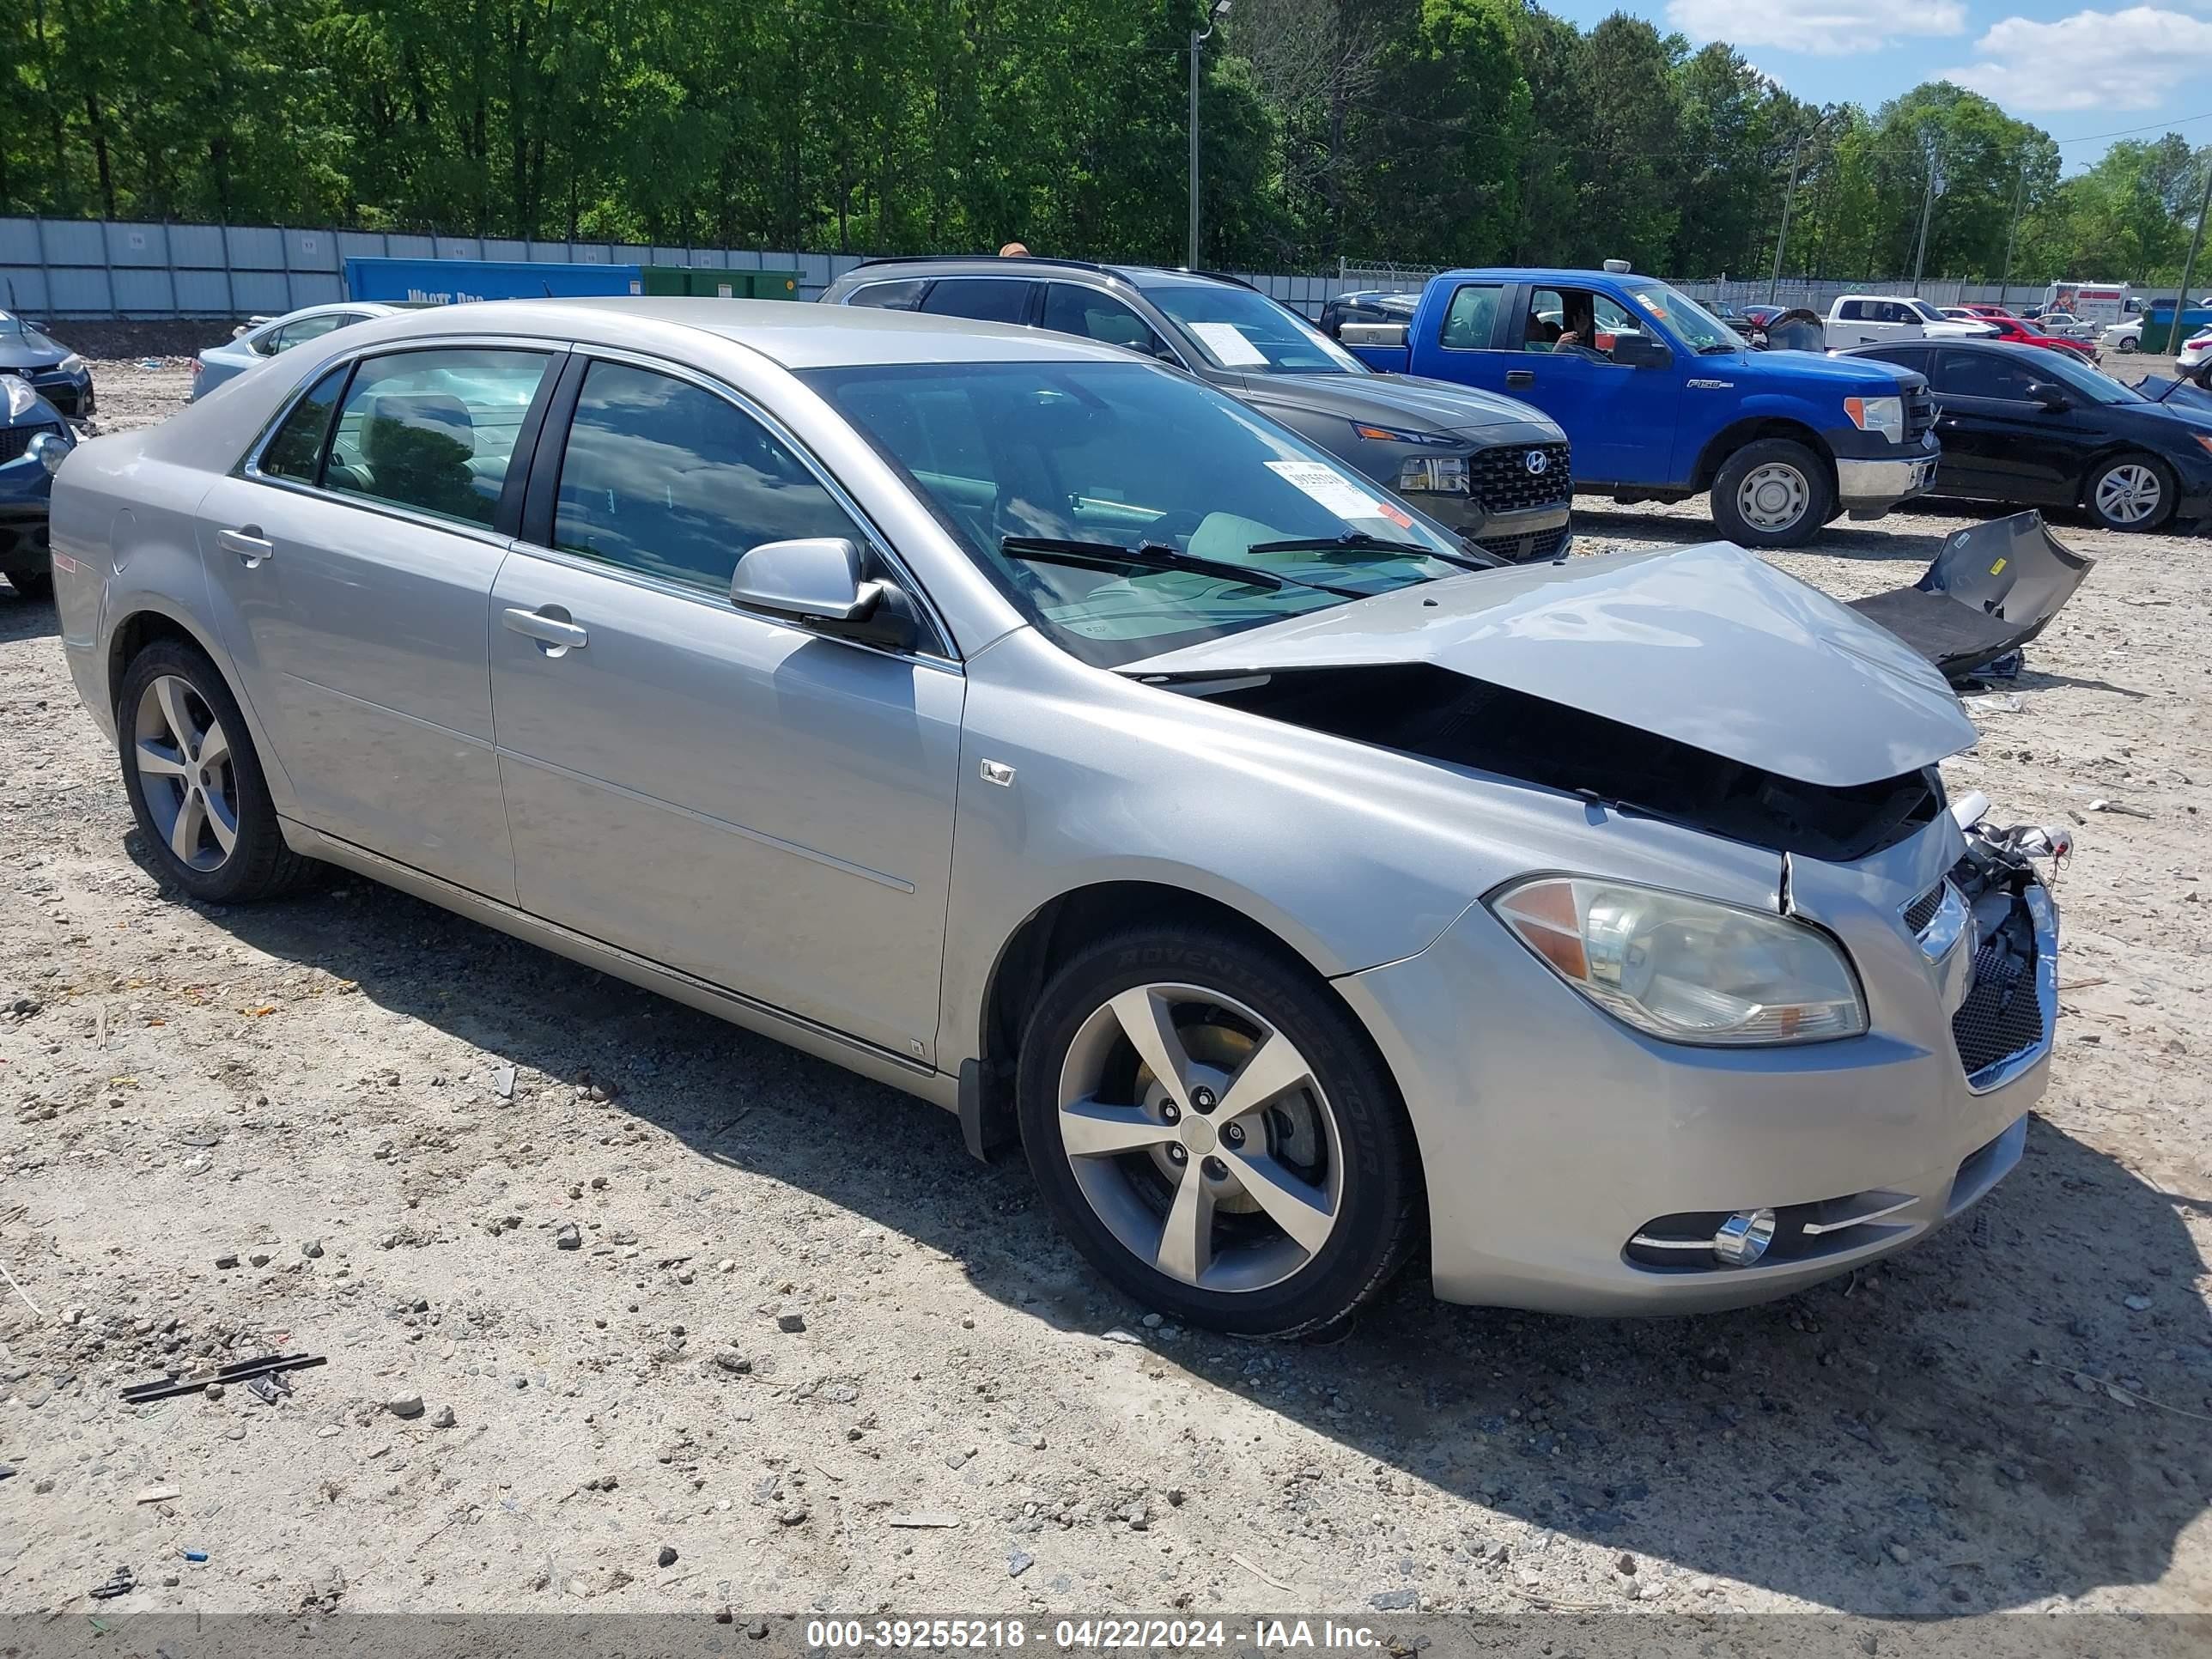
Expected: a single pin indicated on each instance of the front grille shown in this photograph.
(2002, 1015)
(1919, 412)
(1526, 549)
(62, 394)
(1500, 479)
(16, 440)
(1922, 910)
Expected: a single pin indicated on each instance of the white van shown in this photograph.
(2098, 304)
(1858, 319)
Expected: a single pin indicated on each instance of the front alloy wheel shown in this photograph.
(1214, 1131)
(2128, 495)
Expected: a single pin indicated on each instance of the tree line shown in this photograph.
(1416, 131)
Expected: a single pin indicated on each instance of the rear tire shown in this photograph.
(2132, 492)
(32, 584)
(1773, 493)
(195, 784)
(1271, 1188)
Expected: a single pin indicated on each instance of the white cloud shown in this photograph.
(2093, 60)
(1829, 28)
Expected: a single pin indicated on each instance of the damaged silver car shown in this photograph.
(1050, 736)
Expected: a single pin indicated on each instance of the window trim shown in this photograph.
(501, 530)
(535, 535)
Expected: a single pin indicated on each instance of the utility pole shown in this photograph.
(1198, 38)
(2018, 194)
(2188, 264)
(1782, 236)
(1927, 208)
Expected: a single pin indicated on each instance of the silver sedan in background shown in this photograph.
(271, 337)
(1049, 735)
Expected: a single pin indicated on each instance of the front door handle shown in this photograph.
(248, 542)
(1520, 377)
(557, 634)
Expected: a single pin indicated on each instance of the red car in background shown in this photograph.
(2009, 327)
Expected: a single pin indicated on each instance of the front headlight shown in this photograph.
(71, 364)
(1883, 415)
(1443, 475)
(1687, 969)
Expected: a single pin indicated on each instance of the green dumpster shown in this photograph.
(713, 283)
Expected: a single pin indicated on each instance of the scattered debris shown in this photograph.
(404, 1404)
(119, 1583)
(504, 1082)
(18, 1291)
(926, 1518)
(1264, 1579)
(1117, 1335)
(242, 1371)
(1019, 1562)
(2100, 805)
(568, 1236)
(791, 1321)
(667, 1555)
(159, 1495)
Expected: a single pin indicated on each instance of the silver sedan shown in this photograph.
(1045, 734)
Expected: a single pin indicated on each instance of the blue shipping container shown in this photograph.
(454, 282)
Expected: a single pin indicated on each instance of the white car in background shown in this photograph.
(1857, 320)
(265, 337)
(2195, 358)
(2123, 336)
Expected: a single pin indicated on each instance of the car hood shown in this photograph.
(1707, 646)
(30, 350)
(1810, 371)
(1409, 402)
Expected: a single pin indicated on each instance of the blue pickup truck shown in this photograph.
(1661, 400)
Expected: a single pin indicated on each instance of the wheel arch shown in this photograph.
(143, 626)
(1750, 429)
(1056, 930)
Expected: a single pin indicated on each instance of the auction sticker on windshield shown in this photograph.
(1228, 344)
(1335, 492)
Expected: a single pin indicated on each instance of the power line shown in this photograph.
(2123, 133)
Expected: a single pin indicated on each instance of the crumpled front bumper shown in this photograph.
(1553, 1136)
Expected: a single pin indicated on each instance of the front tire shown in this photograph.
(1774, 493)
(195, 784)
(2130, 493)
(1213, 1129)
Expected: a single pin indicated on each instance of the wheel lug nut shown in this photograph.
(1203, 1099)
(1176, 1155)
(1170, 1113)
(1234, 1135)
(1215, 1169)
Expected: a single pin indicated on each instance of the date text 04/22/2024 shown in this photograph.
(1083, 1635)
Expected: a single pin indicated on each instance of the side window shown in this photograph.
(1982, 374)
(666, 478)
(308, 328)
(434, 430)
(1069, 309)
(890, 296)
(1471, 319)
(297, 444)
(1851, 311)
(982, 299)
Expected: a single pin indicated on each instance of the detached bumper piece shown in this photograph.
(1991, 590)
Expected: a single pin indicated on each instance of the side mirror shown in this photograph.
(816, 580)
(2050, 399)
(1640, 351)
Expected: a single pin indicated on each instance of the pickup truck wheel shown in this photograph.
(2130, 492)
(1773, 493)
(1212, 1128)
(195, 784)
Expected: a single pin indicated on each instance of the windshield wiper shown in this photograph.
(1359, 540)
(1719, 346)
(1154, 556)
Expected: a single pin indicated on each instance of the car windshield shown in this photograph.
(1241, 328)
(1699, 328)
(1044, 470)
(2093, 384)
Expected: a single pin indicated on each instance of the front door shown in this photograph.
(1999, 443)
(1620, 420)
(355, 559)
(738, 797)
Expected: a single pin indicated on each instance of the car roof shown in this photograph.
(794, 334)
(1542, 274)
(1034, 266)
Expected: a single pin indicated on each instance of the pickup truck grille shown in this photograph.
(1500, 479)
(16, 440)
(1919, 411)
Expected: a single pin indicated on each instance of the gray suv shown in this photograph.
(1494, 469)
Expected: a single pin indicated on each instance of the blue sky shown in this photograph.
(2073, 69)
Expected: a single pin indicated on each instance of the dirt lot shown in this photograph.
(383, 1115)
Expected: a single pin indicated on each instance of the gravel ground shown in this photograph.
(809, 1355)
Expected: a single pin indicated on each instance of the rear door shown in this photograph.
(355, 559)
(755, 803)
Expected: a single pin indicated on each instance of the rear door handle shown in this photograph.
(248, 542)
(557, 634)
(1520, 377)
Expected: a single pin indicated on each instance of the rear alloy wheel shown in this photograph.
(2130, 493)
(195, 784)
(1214, 1131)
(1774, 493)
